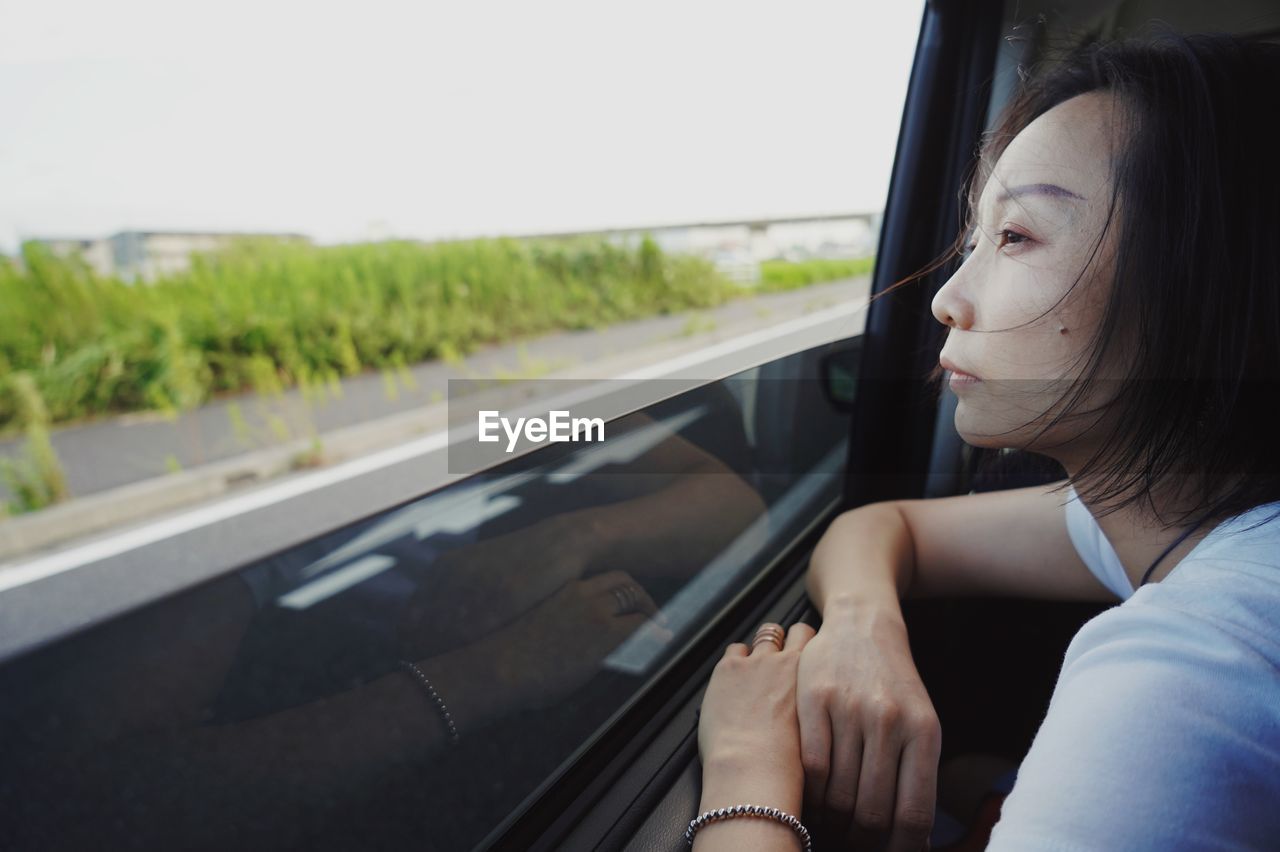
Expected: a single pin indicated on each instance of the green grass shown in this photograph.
(35, 477)
(786, 275)
(268, 316)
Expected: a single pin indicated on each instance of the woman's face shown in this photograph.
(1037, 228)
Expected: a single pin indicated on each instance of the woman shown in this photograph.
(1117, 310)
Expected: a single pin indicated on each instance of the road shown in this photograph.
(107, 453)
(85, 582)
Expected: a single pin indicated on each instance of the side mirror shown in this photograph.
(839, 372)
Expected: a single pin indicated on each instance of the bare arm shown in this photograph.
(857, 682)
(275, 775)
(1004, 543)
(674, 532)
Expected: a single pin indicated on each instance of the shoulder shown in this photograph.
(1163, 726)
(1231, 580)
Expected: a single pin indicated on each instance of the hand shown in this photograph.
(748, 735)
(557, 647)
(870, 738)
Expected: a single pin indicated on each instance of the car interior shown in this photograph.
(613, 764)
(989, 664)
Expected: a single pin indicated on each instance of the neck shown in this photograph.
(1138, 541)
(1139, 538)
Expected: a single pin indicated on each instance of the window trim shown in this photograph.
(942, 120)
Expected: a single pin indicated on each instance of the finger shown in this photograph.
(643, 602)
(623, 591)
(737, 649)
(913, 813)
(760, 645)
(607, 580)
(815, 746)
(798, 636)
(842, 782)
(873, 814)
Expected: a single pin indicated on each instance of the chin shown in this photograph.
(976, 436)
(985, 431)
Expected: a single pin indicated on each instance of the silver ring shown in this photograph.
(628, 598)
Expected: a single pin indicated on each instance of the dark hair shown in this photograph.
(1197, 272)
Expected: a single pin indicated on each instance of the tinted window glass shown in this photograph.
(272, 707)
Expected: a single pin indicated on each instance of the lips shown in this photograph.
(948, 364)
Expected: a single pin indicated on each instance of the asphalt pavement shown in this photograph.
(107, 453)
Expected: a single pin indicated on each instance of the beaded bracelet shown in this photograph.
(749, 810)
(417, 674)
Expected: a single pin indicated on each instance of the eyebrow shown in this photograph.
(1052, 190)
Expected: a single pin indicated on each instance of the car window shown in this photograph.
(275, 700)
(258, 587)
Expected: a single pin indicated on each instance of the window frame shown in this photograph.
(614, 780)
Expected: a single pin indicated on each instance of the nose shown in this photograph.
(950, 307)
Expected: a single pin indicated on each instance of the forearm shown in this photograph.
(864, 559)
(271, 772)
(362, 730)
(725, 785)
(676, 530)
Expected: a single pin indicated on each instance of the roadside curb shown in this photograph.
(25, 534)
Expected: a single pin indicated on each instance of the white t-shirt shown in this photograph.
(1163, 732)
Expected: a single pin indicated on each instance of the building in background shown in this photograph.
(738, 248)
(148, 255)
(97, 253)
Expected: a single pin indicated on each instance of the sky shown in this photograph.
(431, 120)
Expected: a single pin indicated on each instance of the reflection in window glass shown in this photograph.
(276, 706)
(288, 224)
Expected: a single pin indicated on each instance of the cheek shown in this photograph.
(1084, 306)
(1031, 359)
(1033, 302)
(1070, 332)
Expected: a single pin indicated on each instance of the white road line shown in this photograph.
(22, 573)
(56, 563)
(339, 581)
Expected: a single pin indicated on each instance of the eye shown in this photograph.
(1003, 237)
(1007, 237)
